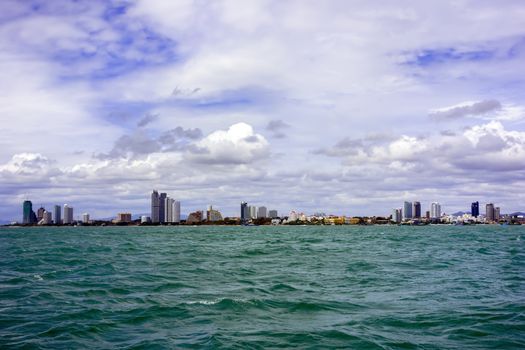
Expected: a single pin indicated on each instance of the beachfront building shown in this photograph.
(417, 210)
(155, 205)
(29, 216)
(262, 212)
(68, 215)
(176, 212)
(474, 209)
(57, 217)
(489, 212)
(435, 210)
(407, 211)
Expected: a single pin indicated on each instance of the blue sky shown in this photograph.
(341, 107)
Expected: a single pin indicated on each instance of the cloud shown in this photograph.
(147, 120)
(466, 109)
(237, 145)
(277, 128)
(141, 142)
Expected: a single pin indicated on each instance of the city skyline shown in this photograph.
(334, 106)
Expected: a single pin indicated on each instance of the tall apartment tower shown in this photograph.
(168, 209)
(155, 207)
(435, 210)
(474, 209)
(68, 214)
(176, 211)
(262, 212)
(29, 216)
(497, 214)
(407, 210)
(244, 213)
(57, 218)
(489, 212)
(162, 207)
(417, 210)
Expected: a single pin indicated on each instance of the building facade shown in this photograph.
(68, 215)
(474, 209)
(244, 213)
(407, 211)
(57, 217)
(273, 214)
(417, 210)
(262, 212)
(28, 215)
(155, 207)
(489, 212)
(435, 210)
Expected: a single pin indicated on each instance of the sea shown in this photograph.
(263, 287)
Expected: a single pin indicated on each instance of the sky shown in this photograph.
(342, 107)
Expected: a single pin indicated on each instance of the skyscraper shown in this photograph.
(262, 212)
(168, 209)
(253, 211)
(57, 217)
(474, 209)
(244, 213)
(29, 216)
(176, 211)
(417, 210)
(489, 212)
(155, 205)
(407, 210)
(47, 219)
(397, 215)
(162, 208)
(435, 210)
(497, 213)
(68, 214)
(40, 214)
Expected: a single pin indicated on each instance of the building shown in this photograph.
(155, 207)
(40, 214)
(123, 218)
(68, 215)
(253, 211)
(435, 210)
(273, 214)
(417, 210)
(176, 212)
(168, 209)
(497, 214)
(85, 218)
(489, 212)
(262, 212)
(474, 209)
(47, 218)
(397, 215)
(162, 208)
(407, 211)
(427, 214)
(213, 215)
(194, 218)
(244, 213)
(145, 219)
(29, 216)
(57, 218)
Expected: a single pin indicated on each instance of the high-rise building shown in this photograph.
(253, 211)
(155, 207)
(168, 209)
(417, 210)
(162, 208)
(474, 209)
(262, 212)
(57, 218)
(244, 213)
(497, 214)
(85, 218)
(123, 218)
(213, 215)
(489, 212)
(273, 214)
(47, 218)
(407, 210)
(29, 216)
(435, 210)
(40, 214)
(68, 215)
(397, 215)
(176, 211)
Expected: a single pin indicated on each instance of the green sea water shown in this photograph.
(377, 287)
